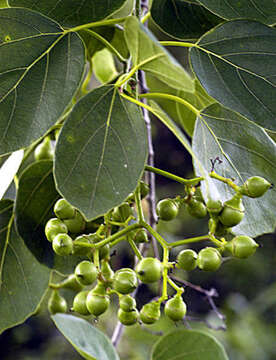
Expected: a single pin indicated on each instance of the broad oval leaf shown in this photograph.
(264, 11)
(236, 64)
(245, 150)
(183, 20)
(41, 68)
(188, 345)
(35, 199)
(101, 152)
(23, 281)
(90, 342)
(149, 56)
(72, 12)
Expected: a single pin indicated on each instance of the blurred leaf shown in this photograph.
(264, 11)
(92, 44)
(188, 345)
(90, 342)
(36, 197)
(23, 281)
(36, 59)
(246, 150)
(179, 112)
(101, 152)
(235, 63)
(104, 66)
(118, 41)
(149, 56)
(71, 12)
(183, 20)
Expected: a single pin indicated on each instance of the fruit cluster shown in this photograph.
(70, 234)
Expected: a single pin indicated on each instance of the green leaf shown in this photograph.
(149, 56)
(188, 345)
(236, 64)
(101, 152)
(92, 44)
(245, 150)
(72, 12)
(90, 342)
(179, 112)
(183, 20)
(41, 68)
(264, 11)
(23, 281)
(104, 66)
(36, 197)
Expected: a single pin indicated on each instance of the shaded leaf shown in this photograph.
(71, 12)
(101, 152)
(236, 64)
(36, 197)
(246, 150)
(23, 281)
(177, 111)
(188, 345)
(149, 56)
(38, 61)
(264, 11)
(92, 44)
(183, 20)
(90, 342)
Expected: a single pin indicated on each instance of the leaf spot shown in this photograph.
(7, 38)
(70, 139)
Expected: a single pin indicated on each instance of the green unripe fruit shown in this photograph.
(150, 312)
(79, 303)
(71, 283)
(196, 209)
(64, 210)
(186, 259)
(57, 303)
(242, 246)
(209, 259)
(107, 272)
(255, 186)
(122, 213)
(140, 236)
(149, 270)
(104, 250)
(127, 303)
(167, 209)
(86, 272)
(214, 207)
(233, 211)
(97, 303)
(81, 250)
(44, 150)
(125, 281)
(62, 244)
(76, 225)
(175, 308)
(128, 318)
(54, 227)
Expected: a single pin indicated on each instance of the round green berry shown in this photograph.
(127, 303)
(125, 281)
(255, 186)
(233, 212)
(150, 312)
(214, 207)
(57, 303)
(64, 210)
(167, 209)
(187, 259)
(175, 308)
(62, 244)
(122, 213)
(149, 270)
(76, 225)
(86, 272)
(128, 318)
(44, 150)
(79, 303)
(54, 227)
(242, 246)
(96, 303)
(140, 236)
(196, 209)
(209, 259)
